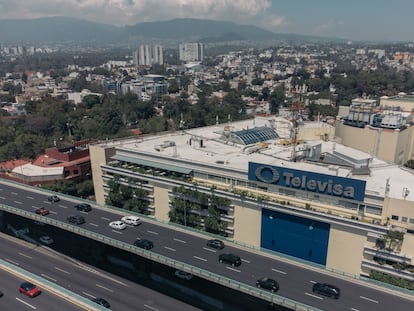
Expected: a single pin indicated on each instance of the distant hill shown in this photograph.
(64, 29)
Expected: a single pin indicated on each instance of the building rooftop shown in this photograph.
(212, 146)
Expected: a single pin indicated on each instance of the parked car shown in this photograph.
(183, 275)
(45, 239)
(83, 207)
(215, 243)
(53, 198)
(42, 211)
(326, 290)
(101, 302)
(131, 220)
(76, 219)
(144, 243)
(268, 284)
(117, 225)
(230, 259)
(29, 289)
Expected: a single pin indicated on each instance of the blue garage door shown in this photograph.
(295, 236)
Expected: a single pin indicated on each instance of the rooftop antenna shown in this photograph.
(217, 120)
(387, 186)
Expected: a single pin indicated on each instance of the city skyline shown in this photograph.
(369, 20)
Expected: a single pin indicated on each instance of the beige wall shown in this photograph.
(400, 208)
(247, 225)
(341, 245)
(386, 144)
(316, 133)
(408, 246)
(99, 155)
(161, 204)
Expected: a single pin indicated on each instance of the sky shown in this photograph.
(368, 20)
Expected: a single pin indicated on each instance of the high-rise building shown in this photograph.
(190, 52)
(148, 55)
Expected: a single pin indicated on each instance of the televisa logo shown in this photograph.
(308, 181)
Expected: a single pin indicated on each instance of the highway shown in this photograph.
(13, 300)
(82, 279)
(295, 280)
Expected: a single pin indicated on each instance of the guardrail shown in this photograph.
(57, 290)
(213, 277)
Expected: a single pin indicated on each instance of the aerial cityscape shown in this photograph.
(206, 155)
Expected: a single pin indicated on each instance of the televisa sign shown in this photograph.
(347, 188)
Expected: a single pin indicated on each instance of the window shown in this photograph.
(404, 219)
(394, 217)
(411, 220)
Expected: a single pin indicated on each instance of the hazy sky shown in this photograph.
(351, 19)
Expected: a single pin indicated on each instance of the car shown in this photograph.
(230, 259)
(144, 243)
(326, 290)
(131, 220)
(101, 302)
(83, 207)
(215, 243)
(268, 284)
(1, 294)
(42, 211)
(76, 219)
(45, 239)
(29, 289)
(117, 225)
(53, 198)
(183, 275)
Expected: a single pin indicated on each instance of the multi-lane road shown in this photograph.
(295, 280)
(82, 279)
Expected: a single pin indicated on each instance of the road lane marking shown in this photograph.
(62, 206)
(199, 258)
(313, 282)
(104, 218)
(151, 308)
(92, 224)
(26, 303)
(230, 268)
(53, 212)
(314, 296)
(353, 309)
(61, 270)
(210, 250)
(152, 232)
(24, 255)
(30, 197)
(246, 261)
(18, 202)
(14, 193)
(89, 295)
(169, 248)
(3, 198)
(117, 231)
(105, 288)
(181, 241)
(13, 262)
(48, 277)
(279, 271)
(369, 299)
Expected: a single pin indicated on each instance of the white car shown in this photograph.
(131, 220)
(46, 240)
(183, 275)
(117, 225)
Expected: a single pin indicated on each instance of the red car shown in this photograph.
(42, 211)
(29, 289)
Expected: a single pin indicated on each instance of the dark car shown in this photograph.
(230, 259)
(76, 219)
(268, 284)
(53, 198)
(83, 207)
(101, 302)
(215, 244)
(326, 290)
(42, 211)
(144, 243)
(1, 294)
(29, 289)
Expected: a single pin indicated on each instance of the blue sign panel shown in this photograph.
(347, 188)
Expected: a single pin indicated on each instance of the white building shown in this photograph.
(148, 55)
(191, 52)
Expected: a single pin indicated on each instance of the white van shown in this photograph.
(131, 220)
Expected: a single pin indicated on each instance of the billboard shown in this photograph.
(347, 188)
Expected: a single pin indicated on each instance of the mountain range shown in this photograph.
(65, 29)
